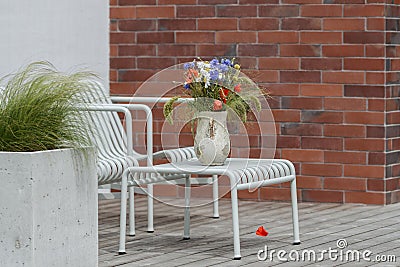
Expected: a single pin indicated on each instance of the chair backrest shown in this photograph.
(109, 137)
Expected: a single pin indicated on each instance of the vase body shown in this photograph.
(211, 142)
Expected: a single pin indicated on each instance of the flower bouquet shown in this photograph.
(219, 91)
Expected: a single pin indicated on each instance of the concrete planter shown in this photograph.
(48, 208)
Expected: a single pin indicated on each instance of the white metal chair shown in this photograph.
(116, 153)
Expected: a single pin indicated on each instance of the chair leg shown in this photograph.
(131, 211)
(150, 226)
(295, 215)
(122, 221)
(186, 229)
(235, 223)
(215, 196)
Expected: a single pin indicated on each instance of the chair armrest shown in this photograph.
(125, 108)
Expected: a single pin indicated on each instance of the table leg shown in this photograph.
(150, 224)
(186, 230)
(235, 223)
(295, 215)
(215, 196)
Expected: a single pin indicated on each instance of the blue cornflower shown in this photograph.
(186, 86)
(223, 68)
(214, 74)
(214, 62)
(226, 61)
(189, 65)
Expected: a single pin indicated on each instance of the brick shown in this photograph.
(300, 24)
(217, 50)
(361, 144)
(245, 2)
(347, 184)
(282, 194)
(345, 130)
(262, 76)
(342, 50)
(245, 194)
(345, 157)
(300, 76)
(155, 37)
(318, 116)
(286, 115)
(364, 91)
(176, 24)
(278, 63)
(374, 78)
(278, 11)
(364, 117)
(376, 24)
(216, 24)
(300, 50)
(363, 37)
(364, 64)
(301, 1)
(322, 196)
(393, 117)
(220, 2)
(374, 50)
(155, 12)
(376, 185)
(195, 37)
(301, 129)
(282, 37)
(395, 64)
(136, 2)
(195, 11)
(376, 158)
(283, 89)
(343, 24)
(326, 169)
(176, 50)
(122, 12)
(321, 64)
(258, 50)
(375, 131)
(303, 155)
(154, 63)
(236, 11)
(321, 37)
(364, 10)
(350, 77)
(258, 24)
(122, 63)
(122, 38)
(309, 182)
(377, 104)
(134, 75)
(176, 2)
(345, 104)
(325, 143)
(321, 90)
(137, 50)
(288, 142)
(301, 103)
(137, 25)
(365, 197)
(321, 10)
(235, 37)
(113, 50)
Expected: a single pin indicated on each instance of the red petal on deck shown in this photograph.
(261, 231)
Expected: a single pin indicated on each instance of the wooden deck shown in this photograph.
(374, 228)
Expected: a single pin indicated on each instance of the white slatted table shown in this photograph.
(244, 174)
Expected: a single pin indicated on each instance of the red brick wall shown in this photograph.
(332, 67)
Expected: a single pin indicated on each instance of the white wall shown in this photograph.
(71, 34)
